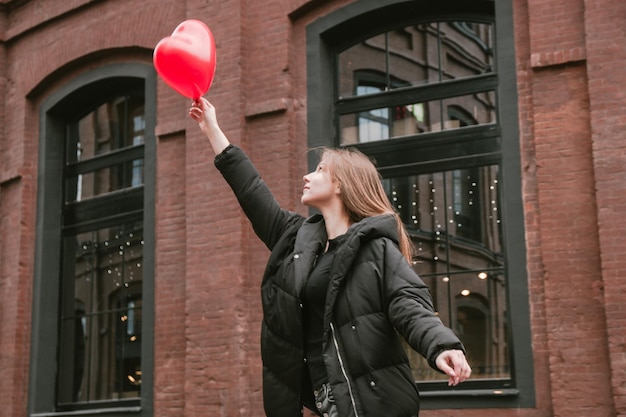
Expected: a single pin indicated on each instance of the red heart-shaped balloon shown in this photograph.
(186, 59)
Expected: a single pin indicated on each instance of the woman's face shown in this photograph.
(319, 187)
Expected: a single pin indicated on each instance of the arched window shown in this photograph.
(92, 312)
(424, 89)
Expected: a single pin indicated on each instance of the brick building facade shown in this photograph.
(103, 178)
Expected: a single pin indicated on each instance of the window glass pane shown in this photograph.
(455, 225)
(467, 110)
(417, 54)
(467, 48)
(362, 64)
(100, 344)
(105, 180)
(116, 124)
(417, 118)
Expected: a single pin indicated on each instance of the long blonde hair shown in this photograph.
(362, 191)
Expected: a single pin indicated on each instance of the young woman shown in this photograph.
(337, 290)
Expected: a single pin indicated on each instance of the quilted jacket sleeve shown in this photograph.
(410, 309)
(268, 219)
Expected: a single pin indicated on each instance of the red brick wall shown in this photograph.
(170, 284)
(606, 56)
(569, 248)
(15, 296)
(570, 68)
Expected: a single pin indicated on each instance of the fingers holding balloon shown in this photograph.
(195, 113)
(203, 112)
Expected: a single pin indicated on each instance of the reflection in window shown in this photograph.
(407, 60)
(419, 54)
(114, 127)
(138, 132)
(100, 334)
(127, 342)
(454, 222)
(373, 124)
(101, 327)
(415, 118)
(467, 203)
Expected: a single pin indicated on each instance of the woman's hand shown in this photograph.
(203, 112)
(453, 363)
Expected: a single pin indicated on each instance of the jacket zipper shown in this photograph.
(343, 369)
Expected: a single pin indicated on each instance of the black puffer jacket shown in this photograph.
(373, 295)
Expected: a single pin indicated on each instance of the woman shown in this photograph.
(337, 290)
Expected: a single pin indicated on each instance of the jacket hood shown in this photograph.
(383, 225)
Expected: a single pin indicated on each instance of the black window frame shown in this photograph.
(491, 144)
(61, 107)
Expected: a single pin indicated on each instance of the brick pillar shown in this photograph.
(605, 30)
(575, 315)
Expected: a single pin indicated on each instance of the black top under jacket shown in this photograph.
(314, 302)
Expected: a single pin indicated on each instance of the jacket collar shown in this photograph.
(311, 238)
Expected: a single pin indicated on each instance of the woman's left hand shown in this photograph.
(454, 364)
